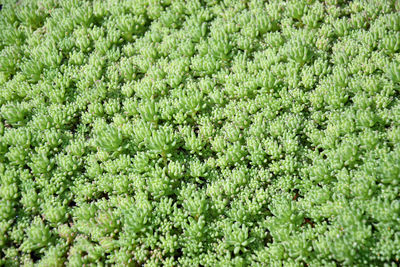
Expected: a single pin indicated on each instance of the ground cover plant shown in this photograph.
(199, 133)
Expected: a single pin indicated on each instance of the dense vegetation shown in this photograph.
(200, 133)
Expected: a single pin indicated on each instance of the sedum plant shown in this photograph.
(199, 133)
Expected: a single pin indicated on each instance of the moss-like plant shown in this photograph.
(199, 133)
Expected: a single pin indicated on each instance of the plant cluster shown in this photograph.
(200, 133)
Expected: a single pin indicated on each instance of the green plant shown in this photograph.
(199, 133)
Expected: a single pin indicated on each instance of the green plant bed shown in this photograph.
(199, 133)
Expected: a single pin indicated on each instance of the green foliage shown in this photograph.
(199, 133)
